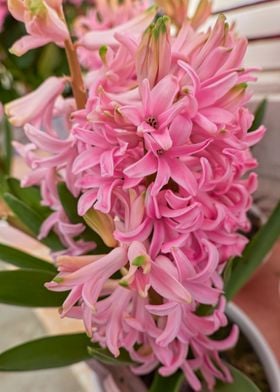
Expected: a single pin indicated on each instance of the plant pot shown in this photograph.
(120, 379)
(259, 345)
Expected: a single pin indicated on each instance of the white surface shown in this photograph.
(219, 5)
(265, 54)
(262, 20)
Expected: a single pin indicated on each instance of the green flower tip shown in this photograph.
(36, 7)
(103, 52)
(139, 261)
(124, 283)
(58, 279)
(161, 25)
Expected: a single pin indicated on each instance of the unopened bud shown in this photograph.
(153, 57)
(103, 225)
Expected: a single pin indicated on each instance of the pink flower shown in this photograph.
(29, 108)
(158, 161)
(94, 39)
(44, 23)
(157, 111)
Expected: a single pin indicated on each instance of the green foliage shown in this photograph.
(69, 203)
(241, 383)
(170, 384)
(6, 150)
(32, 220)
(46, 353)
(25, 287)
(105, 356)
(24, 260)
(31, 196)
(259, 116)
(254, 254)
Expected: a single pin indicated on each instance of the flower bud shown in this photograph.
(103, 225)
(153, 57)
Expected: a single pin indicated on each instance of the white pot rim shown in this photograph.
(259, 343)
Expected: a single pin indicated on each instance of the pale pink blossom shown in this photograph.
(29, 109)
(44, 23)
(135, 27)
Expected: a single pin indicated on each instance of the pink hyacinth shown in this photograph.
(43, 21)
(159, 160)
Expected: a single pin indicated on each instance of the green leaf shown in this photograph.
(105, 356)
(254, 254)
(31, 196)
(241, 383)
(25, 287)
(171, 384)
(32, 220)
(23, 260)
(69, 203)
(46, 353)
(228, 270)
(259, 115)
(7, 145)
(3, 182)
(49, 60)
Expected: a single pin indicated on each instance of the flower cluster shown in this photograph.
(158, 159)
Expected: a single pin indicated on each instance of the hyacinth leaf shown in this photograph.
(46, 353)
(69, 203)
(241, 383)
(7, 146)
(25, 287)
(24, 260)
(259, 115)
(105, 356)
(3, 181)
(49, 60)
(171, 384)
(254, 254)
(30, 196)
(228, 270)
(32, 220)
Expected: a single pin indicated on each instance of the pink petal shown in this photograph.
(28, 42)
(167, 286)
(162, 178)
(184, 177)
(142, 168)
(163, 94)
